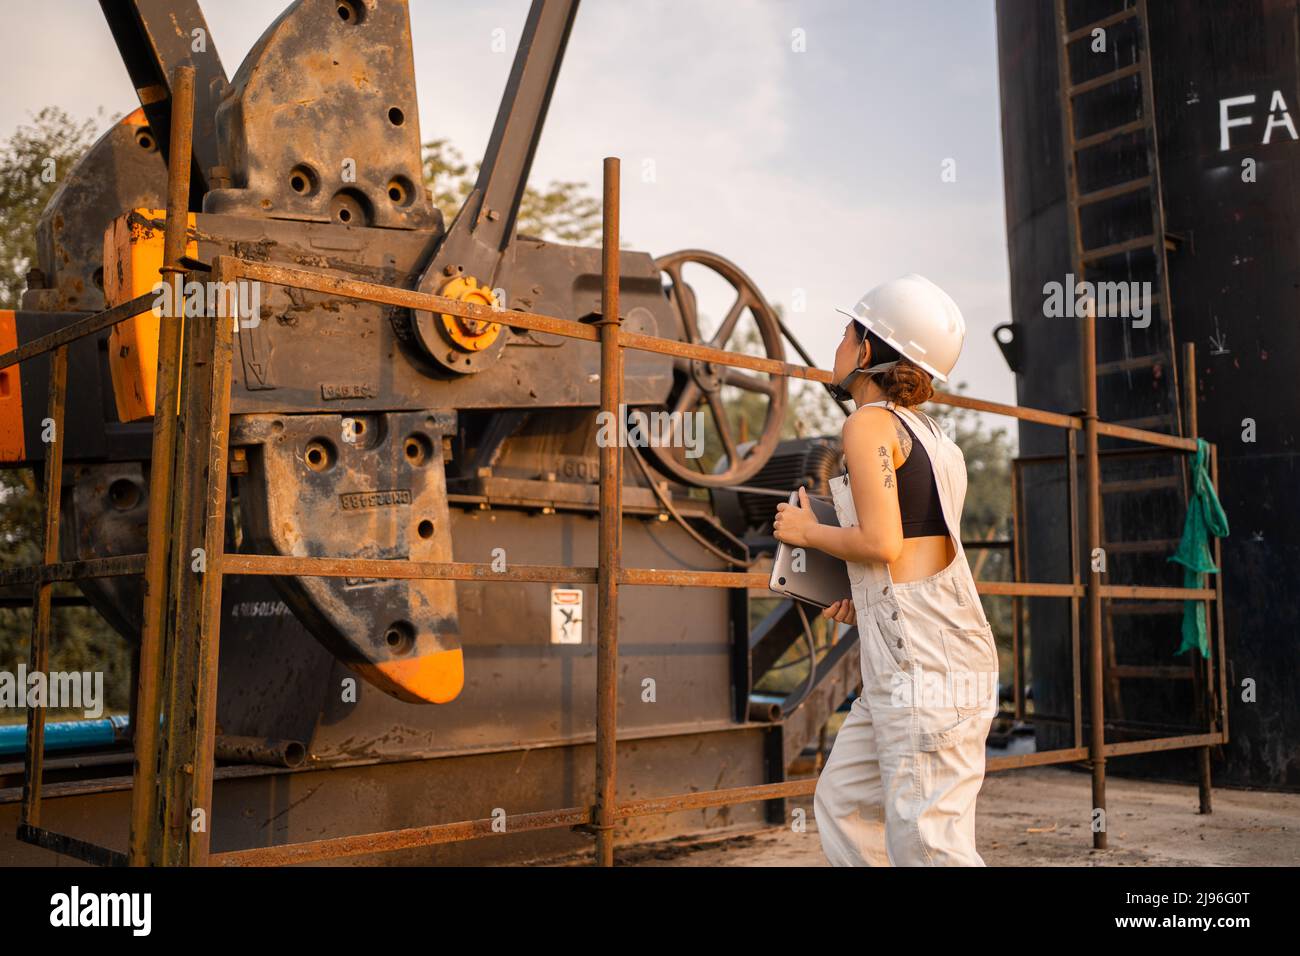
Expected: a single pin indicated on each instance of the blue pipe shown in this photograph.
(66, 734)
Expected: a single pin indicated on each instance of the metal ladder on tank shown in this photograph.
(1158, 243)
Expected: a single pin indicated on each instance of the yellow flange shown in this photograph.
(471, 335)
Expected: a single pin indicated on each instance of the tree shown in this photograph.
(32, 162)
(559, 213)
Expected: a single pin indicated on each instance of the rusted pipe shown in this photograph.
(1017, 602)
(764, 711)
(1076, 657)
(162, 464)
(268, 751)
(382, 842)
(363, 844)
(39, 654)
(70, 846)
(73, 331)
(271, 564)
(405, 298)
(611, 525)
(1222, 714)
(119, 566)
(1205, 690)
(192, 617)
(1092, 479)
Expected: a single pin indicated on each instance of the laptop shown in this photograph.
(811, 576)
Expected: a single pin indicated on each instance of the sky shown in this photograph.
(804, 140)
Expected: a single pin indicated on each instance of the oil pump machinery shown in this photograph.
(360, 430)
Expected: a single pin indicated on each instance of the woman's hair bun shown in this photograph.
(906, 384)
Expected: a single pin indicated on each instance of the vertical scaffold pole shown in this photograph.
(161, 470)
(39, 655)
(1092, 477)
(611, 525)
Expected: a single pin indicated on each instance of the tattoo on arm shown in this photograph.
(904, 439)
(886, 466)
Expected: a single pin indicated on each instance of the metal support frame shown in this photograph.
(1092, 479)
(175, 734)
(39, 655)
(611, 526)
(161, 477)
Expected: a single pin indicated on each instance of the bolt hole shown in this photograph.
(400, 191)
(425, 529)
(400, 637)
(418, 449)
(351, 206)
(319, 454)
(396, 116)
(349, 11)
(303, 180)
(144, 139)
(124, 494)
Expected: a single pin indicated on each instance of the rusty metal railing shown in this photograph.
(175, 731)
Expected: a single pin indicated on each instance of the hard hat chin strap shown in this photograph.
(840, 389)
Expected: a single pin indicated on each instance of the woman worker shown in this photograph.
(911, 751)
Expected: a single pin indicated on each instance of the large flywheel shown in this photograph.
(742, 410)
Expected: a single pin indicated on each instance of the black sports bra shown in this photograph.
(918, 496)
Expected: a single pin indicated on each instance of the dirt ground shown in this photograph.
(1040, 817)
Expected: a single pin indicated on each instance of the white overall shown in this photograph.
(911, 751)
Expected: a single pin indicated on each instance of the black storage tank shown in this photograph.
(1226, 91)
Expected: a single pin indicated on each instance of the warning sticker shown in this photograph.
(566, 616)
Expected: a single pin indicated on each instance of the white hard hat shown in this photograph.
(917, 318)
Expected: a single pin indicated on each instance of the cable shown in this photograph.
(811, 682)
(746, 562)
(806, 481)
(808, 361)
